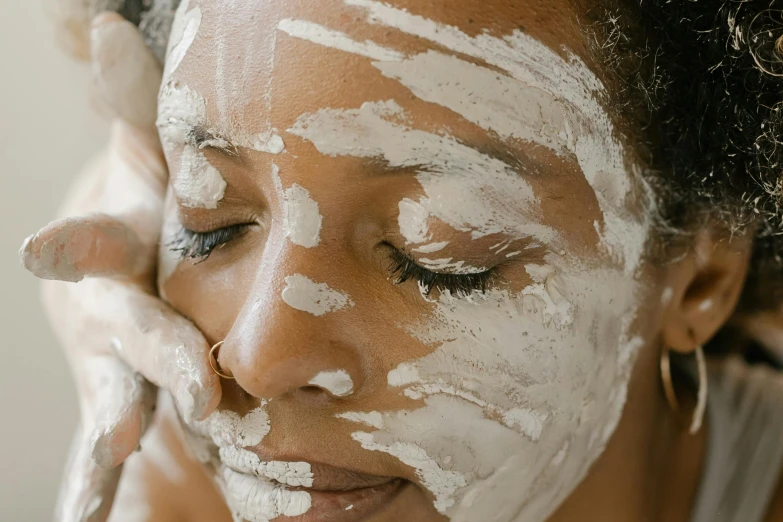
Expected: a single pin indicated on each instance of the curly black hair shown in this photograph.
(702, 82)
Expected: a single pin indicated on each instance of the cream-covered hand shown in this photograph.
(119, 336)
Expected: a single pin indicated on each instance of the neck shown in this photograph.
(651, 468)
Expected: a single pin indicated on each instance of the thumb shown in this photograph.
(113, 422)
(124, 405)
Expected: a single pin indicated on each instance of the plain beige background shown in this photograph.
(47, 132)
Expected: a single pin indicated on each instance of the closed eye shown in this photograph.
(403, 268)
(199, 245)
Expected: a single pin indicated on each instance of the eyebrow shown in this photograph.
(200, 137)
(493, 148)
(500, 150)
(203, 138)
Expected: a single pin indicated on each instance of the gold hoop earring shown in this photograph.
(214, 364)
(701, 395)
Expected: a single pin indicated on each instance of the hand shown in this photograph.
(112, 324)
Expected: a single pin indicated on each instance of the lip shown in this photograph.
(336, 494)
(350, 505)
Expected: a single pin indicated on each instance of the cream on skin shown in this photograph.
(132, 333)
(182, 111)
(413, 222)
(91, 476)
(532, 381)
(303, 219)
(197, 183)
(302, 293)
(555, 107)
(255, 490)
(532, 394)
(431, 247)
(64, 256)
(168, 260)
(115, 407)
(294, 474)
(183, 33)
(336, 382)
(496, 198)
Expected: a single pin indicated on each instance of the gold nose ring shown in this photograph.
(214, 364)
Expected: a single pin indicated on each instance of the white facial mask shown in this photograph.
(256, 491)
(303, 218)
(522, 390)
(519, 398)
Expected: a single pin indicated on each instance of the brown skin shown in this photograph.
(121, 267)
(650, 469)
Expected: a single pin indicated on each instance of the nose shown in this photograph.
(287, 338)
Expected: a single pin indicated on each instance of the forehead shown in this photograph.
(261, 64)
(353, 77)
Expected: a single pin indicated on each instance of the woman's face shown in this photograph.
(427, 251)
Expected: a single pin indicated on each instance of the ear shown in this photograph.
(704, 287)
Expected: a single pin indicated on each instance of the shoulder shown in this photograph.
(752, 402)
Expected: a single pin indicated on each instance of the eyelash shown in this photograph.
(404, 268)
(200, 245)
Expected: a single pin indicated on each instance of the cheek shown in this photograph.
(539, 349)
(522, 389)
(212, 292)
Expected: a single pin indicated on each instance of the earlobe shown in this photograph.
(706, 286)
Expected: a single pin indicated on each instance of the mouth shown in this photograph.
(304, 491)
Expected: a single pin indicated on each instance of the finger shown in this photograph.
(169, 351)
(127, 74)
(130, 185)
(71, 249)
(124, 406)
(71, 23)
(87, 490)
(117, 418)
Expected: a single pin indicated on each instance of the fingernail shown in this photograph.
(25, 253)
(195, 401)
(50, 262)
(207, 400)
(187, 401)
